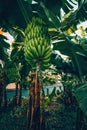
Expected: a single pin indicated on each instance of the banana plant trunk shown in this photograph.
(20, 94)
(3, 80)
(16, 95)
(5, 98)
(33, 113)
(1, 94)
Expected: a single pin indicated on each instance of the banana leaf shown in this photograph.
(3, 49)
(81, 95)
(3, 43)
(51, 16)
(14, 13)
(77, 54)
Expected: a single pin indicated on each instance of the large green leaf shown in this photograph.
(14, 13)
(82, 12)
(25, 8)
(17, 53)
(29, 1)
(19, 12)
(69, 19)
(68, 5)
(3, 49)
(51, 16)
(3, 43)
(61, 64)
(81, 95)
(77, 54)
(64, 46)
(54, 6)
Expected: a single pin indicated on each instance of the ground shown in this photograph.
(59, 117)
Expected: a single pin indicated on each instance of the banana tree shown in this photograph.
(10, 68)
(13, 76)
(17, 57)
(63, 41)
(37, 51)
(3, 58)
(2, 87)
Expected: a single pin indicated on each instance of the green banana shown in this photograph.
(48, 48)
(47, 56)
(30, 54)
(36, 43)
(47, 52)
(46, 65)
(30, 46)
(39, 50)
(34, 50)
(46, 60)
(27, 56)
(45, 44)
(43, 50)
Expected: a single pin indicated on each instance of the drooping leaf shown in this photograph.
(29, 1)
(75, 52)
(3, 48)
(81, 95)
(50, 15)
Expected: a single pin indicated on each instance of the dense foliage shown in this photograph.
(62, 18)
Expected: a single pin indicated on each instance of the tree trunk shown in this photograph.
(20, 94)
(34, 103)
(15, 100)
(42, 112)
(5, 98)
(3, 81)
(1, 94)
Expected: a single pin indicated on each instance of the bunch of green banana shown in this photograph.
(37, 48)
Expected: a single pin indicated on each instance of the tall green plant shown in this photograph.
(37, 51)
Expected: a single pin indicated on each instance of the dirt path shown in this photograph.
(58, 117)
